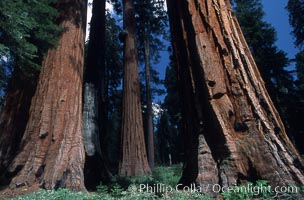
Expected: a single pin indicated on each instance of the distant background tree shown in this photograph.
(296, 10)
(151, 21)
(133, 157)
(296, 19)
(113, 90)
(170, 125)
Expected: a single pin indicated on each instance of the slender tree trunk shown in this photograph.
(14, 116)
(52, 153)
(133, 160)
(238, 134)
(150, 131)
(94, 112)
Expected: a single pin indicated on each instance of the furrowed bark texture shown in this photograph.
(133, 160)
(14, 116)
(94, 109)
(52, 153)
(237, 134)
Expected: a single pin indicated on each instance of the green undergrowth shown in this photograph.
(137, 188)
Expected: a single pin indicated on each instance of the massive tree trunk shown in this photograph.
(52, 153)
(14, 116)
(149, 114)
(94, 112)
(235, 134)
(133, 159)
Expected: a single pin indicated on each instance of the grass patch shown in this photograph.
(128, 188)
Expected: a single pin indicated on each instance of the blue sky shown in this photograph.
(277, 16)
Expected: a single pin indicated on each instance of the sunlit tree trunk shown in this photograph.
(133, 160)
(233, 132)
(52, 153)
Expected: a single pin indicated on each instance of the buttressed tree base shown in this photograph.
(234, 132)
(52, 152)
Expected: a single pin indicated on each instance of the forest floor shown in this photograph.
(161, 184)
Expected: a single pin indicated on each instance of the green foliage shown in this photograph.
(125, 188)
(128, 188)
(117, 193)
(177, 195)
(263, 191)
(296, 10)
(167, 175)
(126, 182)
(114, 63)
(261, 38)
(296, 20)
(260, 190)
(300, 70)
(172, 101)
(59, 194)
(271, 61)
(151, 22)
(297, 102)
(27, 31)
(170, 140)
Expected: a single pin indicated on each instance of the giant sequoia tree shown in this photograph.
(52, 153)
(234, 133)
(133, 152)
(27, 31)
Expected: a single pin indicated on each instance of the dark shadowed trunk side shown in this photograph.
(14, 116)
(52, 152)
(149, 114)
(133, 161)
(238, 134)
(94, 112)
(192, 122)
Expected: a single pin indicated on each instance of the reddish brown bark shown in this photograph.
(14, 116)
(52, 153)
(133, 160)
(237, 134)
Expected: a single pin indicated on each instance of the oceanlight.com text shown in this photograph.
(216, 188)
